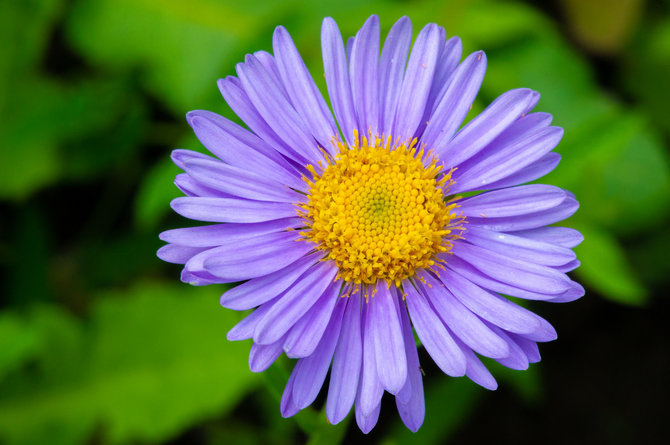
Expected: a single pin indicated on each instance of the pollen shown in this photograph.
(379, 211)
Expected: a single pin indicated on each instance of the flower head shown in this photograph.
(351, 232)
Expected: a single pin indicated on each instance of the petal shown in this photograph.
(386, 331)
(433, 334)
(363, 74)
(455, 104)
(288, 407)
(463, 323)
(370, 388)
(238, 147)
(489, 306)
(302, 90)
(559, 236)
(508, 159)
(545, 165)
(519, 273)
(337, 78)
(411, 407)
(219, 234)
(310, 372)
(231, 210)
(417, 82)
(447, 63)
(294, 303)
(259, 290)
(520, 247)
(245, 328)
(252, 258)
(176, 254)
(306, 334)
(191, 187)
(530, 220)
(485, 127)
(276, 110)
(517, 358)
(262, 356)
(347, 362)
(528, 347)
(392, 69)
(475, 369)
(514, 201)
(232, 91)
(367, 422)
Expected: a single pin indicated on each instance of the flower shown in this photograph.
(351, 231)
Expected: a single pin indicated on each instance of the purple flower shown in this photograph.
(350, 231)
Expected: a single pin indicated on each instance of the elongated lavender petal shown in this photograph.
(305, 335)
(302, 90)
(347, 363)
(533, 220)
(411, 406)
(433, 334)
(370, 391)
(456, 101)
(245, 328)
(417, 82)
(337, 78)
(294, 303)
(559, 236)
(392, 70)
(514, 201)
(545, 165)
(364, 76)
(262, 356)
(259, 290)
(231, 210)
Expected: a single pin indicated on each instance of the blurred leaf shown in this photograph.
(600, 26)
(18, 342)
(152, 360)
(606, 269)
(181, 47)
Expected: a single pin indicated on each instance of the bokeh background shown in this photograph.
(101, 344)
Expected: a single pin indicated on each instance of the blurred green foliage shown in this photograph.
(99, 343)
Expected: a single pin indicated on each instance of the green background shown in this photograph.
(101, 344)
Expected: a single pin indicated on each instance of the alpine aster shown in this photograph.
(351, 231)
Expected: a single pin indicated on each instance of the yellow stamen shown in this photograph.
(379, 212)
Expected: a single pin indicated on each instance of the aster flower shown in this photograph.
(350, 229)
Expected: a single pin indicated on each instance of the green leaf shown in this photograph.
(605, 268)
(151, 360)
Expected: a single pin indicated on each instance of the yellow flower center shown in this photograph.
(379, 211)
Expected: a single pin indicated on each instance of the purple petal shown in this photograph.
(245, 328)
(482, 279)
(491, 307)
(288, 407)
(514, 201)
(519, 247)
(259, 290)
(530, 220)
(176, 254)
(238, 147)
(484, 128)
(411, 406)
(231, 210)
(252, 258)
(433, 334)
(191, 187)
(463, 323)
(364, 77)
(239, 101)
(545, 165)
(370, 390)
(475, 369)
(337, 78)
(302, 90)
(384, 324)
(218, 234)
(306, 334)
(392, 69)
(347, 361)
(528, 347)
(294, 303)
(456, 101)
(559, 236)
(262, 356)
(447, 63)
(518, 273)
(367, 422)
(417, 82)
(310, 372)
(279, 114)
(508, 159)
(517, 358)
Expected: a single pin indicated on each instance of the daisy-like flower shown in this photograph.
(354, 229)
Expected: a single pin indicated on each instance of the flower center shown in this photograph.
(379, 212)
